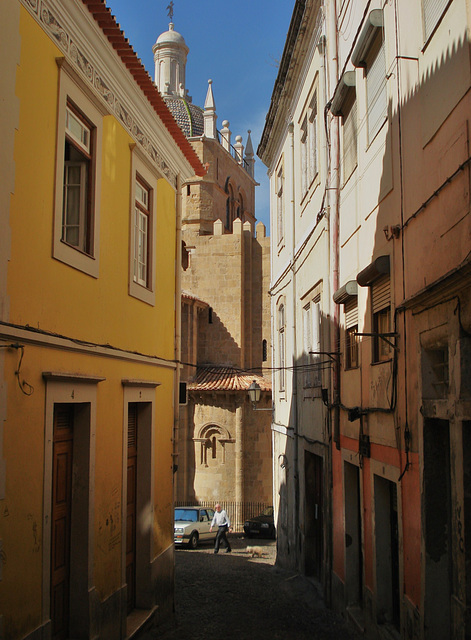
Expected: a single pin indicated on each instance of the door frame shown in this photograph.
(62, 388)
(141, 393)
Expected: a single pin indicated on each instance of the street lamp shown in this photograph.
(254, 394)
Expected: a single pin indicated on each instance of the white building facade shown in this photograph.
(391, 417)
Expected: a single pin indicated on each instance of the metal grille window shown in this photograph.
(376, 90)
(381, 307)
(432, 12)
(350, 131)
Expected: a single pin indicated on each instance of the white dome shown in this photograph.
(171, 37)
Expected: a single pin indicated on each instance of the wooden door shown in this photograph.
(314, 514)
(61, 517)
(131, 507)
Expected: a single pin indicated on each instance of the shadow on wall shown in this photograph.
(422, 227)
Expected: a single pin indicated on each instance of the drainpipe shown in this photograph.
(295, 349)
(178, 321)
(334, 219)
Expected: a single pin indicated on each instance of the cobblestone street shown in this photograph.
(234, 596)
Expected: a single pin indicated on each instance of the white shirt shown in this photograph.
(220, 518)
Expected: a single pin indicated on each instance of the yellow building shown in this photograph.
(91, 167)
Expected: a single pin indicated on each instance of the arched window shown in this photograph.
(212, 439)
(264, 351)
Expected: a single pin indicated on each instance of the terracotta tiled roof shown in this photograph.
(189, 296)
(214, 378)
(106, 21)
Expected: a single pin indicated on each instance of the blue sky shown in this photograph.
(236, 43)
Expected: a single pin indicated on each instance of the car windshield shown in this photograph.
(190, 515)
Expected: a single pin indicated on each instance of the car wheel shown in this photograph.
(193, 541)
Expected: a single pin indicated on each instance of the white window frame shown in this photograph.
(72, 90)
(142, 172)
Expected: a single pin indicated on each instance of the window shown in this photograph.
(264, 351)
(350, 157)
(351, 328)
(312, 344)
(78, 180)
(433, 11)
(376, 90)
(281, 347)
(312, 135)
(304, 157)
(143, 230)
(308, 138)
(279, 204)
(381, 306)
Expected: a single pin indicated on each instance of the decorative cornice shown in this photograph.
(100, 83)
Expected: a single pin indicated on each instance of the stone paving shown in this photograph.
(237, 597)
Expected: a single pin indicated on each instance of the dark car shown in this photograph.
(262, 526)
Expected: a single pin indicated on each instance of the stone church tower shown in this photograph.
(222, 445)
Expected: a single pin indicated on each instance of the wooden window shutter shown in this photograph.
(132, 425)
(381, 294)
(433, 10)
(376, 86)
(351, 313)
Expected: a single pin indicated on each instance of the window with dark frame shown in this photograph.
(142, 233)
(77, 205)
(381, 308)
(351, 329)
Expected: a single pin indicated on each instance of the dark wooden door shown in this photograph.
(314, 514)
(61, 515)
(131, 507)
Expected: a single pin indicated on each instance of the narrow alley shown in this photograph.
(239, 597)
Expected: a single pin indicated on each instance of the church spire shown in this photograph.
(210, 116)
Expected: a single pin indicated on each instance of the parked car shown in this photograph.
(192, 526)
(262, 526)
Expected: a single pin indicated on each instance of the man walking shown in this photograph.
(223, 523)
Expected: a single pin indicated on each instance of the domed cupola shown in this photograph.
(170, 54)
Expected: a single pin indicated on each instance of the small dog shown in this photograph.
(255, 551)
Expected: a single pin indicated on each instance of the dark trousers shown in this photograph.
(221, 535)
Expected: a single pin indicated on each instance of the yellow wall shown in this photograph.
(46, 293)
(53, 297)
